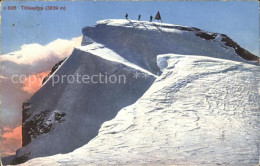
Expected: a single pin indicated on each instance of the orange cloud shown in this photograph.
(33, 82)
(11, 140)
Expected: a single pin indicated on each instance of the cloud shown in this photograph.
(33, 82)
(11, 140)
(35, 58)
(31, 61)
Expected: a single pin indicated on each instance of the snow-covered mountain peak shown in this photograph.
(187, 92)
(140, 42)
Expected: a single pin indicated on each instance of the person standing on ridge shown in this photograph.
(126, 16)
(151, 18)
(139, 17)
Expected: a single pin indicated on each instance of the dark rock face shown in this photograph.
(55, 67)
(35, 127)
(58, 117)
(207, 36)
(40, 124)
(25, 137)
(239, 50)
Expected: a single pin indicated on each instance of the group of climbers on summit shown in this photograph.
(157, 17)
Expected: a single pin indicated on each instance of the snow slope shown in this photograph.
(200, 111)
(140, 41)
(202, 107)
(71, 113)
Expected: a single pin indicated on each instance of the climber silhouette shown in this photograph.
(151, 18)
(126, 16)
(139, 17)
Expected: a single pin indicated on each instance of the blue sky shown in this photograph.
(239, 20)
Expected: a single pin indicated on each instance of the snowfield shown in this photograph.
(71, 113)
(200, 111)
(191, 97)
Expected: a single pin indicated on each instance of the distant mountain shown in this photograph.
(187, 96)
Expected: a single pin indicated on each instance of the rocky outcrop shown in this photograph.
(55, 67)
(40, 124)
(239, 50)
